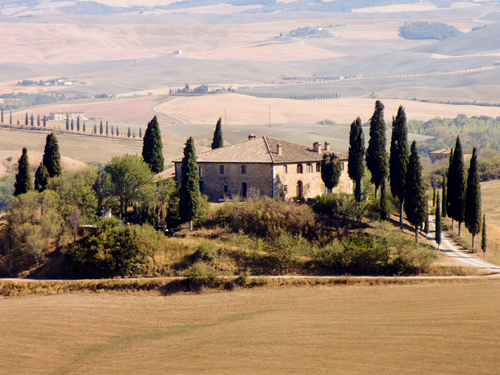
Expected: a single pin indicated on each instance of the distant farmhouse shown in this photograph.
(200, 90)
(62, 116)
(266, 166)
(444, 154)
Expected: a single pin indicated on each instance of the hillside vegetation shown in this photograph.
(426, 30)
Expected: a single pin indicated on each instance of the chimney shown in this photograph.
(317, 147)
(251, 136)
(280, 149)
(327, 146)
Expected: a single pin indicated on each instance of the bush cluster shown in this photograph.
(268, 218)
(112, 251)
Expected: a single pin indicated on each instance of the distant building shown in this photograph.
(62, 116)
(444, 154)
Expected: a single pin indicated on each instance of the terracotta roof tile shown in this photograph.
(262, 150)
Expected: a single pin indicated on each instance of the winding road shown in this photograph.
(452, 250)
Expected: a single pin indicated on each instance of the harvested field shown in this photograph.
(248, 110)
(431, 329)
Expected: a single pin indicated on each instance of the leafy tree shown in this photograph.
(51, 156)
(330, 171)
(457, 186)
(126, 179)
(152, 148)
(415, 199)
(189, 191)
(398, 160)
(41, 178)
(444, 196)
(426, 30)
(33, 223)
(483, 237)
(438, 222)
(355, 165)
(23, 182)
(376, 154)
(218, 140)
(473, 199)
(6, 191)
(76, 191)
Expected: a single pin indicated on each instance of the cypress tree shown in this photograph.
(107, 128)
(398, 159)
(26, 121)
(72, 125)
(2, 115)
(438, 222)
(44, 121)
(415, 199)
(473, 199)
(457, 187)
(433, 196)
(330, 171)
(32, 120)
(41, 178)
(140, 132)
(355, 162)
(10, 121)
(152, 146)
(101, 129)
(129, 133)
(376, 154)
(52, 157)
(67, 123)
(84, 127)
(383, 201)
(189, 191)
(449, 187)
(23, 182)
(38, 120)
(78, 123)
(218, 140)
(117, 131)
(483, 237)
(445, 198)
(112, 130)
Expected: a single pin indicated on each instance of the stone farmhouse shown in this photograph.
(444, 154)
(266, 166)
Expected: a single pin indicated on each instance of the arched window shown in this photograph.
(309, 168)
(299, 168)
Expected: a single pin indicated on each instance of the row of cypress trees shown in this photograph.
(402, 165)
(461, 195)
(50, 166)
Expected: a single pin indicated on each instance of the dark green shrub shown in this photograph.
(112, 251)
(206, 252)
(198, 276)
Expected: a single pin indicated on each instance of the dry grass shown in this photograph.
(398, 329)
(246, 110)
